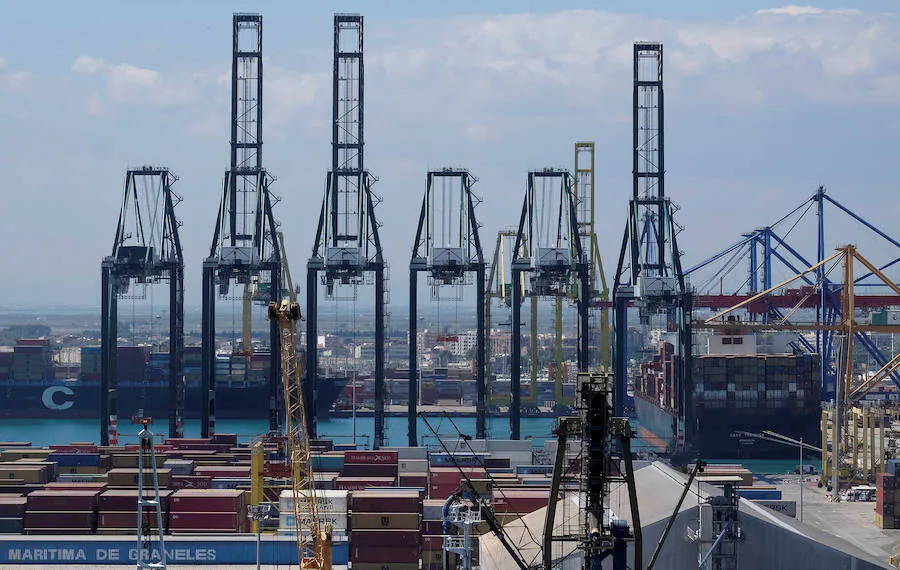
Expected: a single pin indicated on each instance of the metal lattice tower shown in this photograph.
(245, 248)
(649, 273)
(548, 250)
(448, 247)
(347, 248)
(146, 250)
(585, 196)
(146, 451)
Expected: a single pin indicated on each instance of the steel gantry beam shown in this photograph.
(548, 251)
(448, 247)
(146, 250)
(347, 246)
(649, 274)
(245, 248)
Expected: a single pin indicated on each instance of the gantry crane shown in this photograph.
(313, 538)
(848, 392)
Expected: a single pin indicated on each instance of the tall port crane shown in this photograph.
(585, 199)
(313, 538)
(649, 275)
(848, 391)
(347, 248)
(499, 287)
(547, 250)
(146, 250)
(245, 248)
(448, 248)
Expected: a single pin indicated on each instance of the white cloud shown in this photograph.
(89, 65)
(126, 84)
(792, 10)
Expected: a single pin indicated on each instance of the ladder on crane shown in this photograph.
(144, 549)
(313, 537)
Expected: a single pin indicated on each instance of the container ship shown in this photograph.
(32, 387)
(732, 394)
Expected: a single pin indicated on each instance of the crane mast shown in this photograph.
(313, 539)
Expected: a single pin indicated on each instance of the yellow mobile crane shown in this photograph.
(313, 538)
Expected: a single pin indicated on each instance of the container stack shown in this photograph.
(432, 536)
(444, 481)
(208, 511)
(385, 530)
(12, 514)
(887, 501)
(61, 511)
(31, 360)
(333, 508)
(117, 511)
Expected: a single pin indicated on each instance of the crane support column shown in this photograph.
(378, 441)
(208, 352)
(413, 361)
(311, 386)
(481, 367)
(515, 357)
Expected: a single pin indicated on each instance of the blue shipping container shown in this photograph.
(760, 494)
(75, 459)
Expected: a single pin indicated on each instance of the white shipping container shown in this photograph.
(413, 466)
(338, 522)
(788, 508)
(327, 501)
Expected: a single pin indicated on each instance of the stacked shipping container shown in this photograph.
(385, 530)
(887, 501)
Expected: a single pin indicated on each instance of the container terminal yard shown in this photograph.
(710, 416)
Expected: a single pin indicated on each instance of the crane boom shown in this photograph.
(313, 539)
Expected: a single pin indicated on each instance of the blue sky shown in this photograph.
(764, 103)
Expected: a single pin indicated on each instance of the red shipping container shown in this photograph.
(223, 438)
(360, 483)
(129, 520)
(378, 538)
(125, 500)
(226, 471)
(386, 502)
(381, 457)
(432, 527)
(207, 521)
(384, 554)
(433, 542)
(59, 486)
(414, 481)
(208, 501)
(369, 470)
(12, 506)
(62, 500)
(191, 482)
(61, 519)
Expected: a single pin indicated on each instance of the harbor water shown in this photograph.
(43, 432)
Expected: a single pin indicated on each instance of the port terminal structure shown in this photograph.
(448, 248)
(347, 248)
(548, 251)
(245, 249)
(146, 250)
(649, 274)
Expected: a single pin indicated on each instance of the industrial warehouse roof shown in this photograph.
(767, 536)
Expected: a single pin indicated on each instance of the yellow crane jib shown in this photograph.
(313, 537)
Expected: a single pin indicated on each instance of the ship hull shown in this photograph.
(80, 400)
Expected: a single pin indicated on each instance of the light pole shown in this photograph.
(801, 479)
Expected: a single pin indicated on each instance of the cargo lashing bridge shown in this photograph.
(347, 248)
